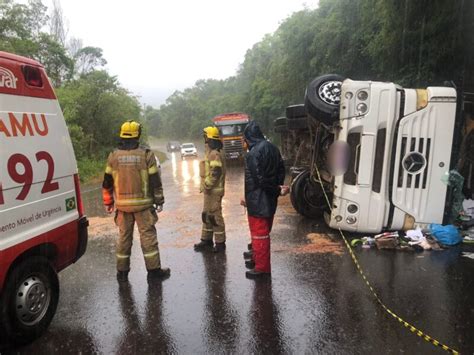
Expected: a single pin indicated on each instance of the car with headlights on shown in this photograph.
(188, 150)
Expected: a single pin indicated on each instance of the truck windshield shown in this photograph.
(232, 130)
(188, 145)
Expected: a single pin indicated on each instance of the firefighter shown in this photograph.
(132, 185)
(212, 171)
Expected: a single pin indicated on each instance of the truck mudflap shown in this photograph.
(83, 237)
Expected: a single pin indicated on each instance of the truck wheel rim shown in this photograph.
(330, 92)
(32, 300)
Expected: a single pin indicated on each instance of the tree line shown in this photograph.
(413, 43)
(93, 102)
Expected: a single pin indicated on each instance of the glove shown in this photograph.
(159, 208)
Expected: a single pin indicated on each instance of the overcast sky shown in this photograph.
(157, 47)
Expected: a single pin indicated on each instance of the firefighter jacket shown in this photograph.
(132, 180)
(212, 172)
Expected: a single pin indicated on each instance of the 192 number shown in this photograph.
(24, 175)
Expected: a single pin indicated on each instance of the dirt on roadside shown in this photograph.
(319, 243)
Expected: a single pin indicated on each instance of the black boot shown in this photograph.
(248, 254)
(203, 244)
(219, 247)
(122, 276)
(249, 246)
(249, 264)
(253, 274)
(161, 273)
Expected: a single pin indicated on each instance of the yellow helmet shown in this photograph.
(130, 129)
(211, 132)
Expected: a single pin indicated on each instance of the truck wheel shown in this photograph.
(280, 125)
(298, 123)
(322, 98)
(29, 300)
(296, 111)
(307, 197)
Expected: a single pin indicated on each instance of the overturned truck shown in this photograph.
(379, 152)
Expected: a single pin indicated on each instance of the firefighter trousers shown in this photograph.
(212, 220)
(146, 221)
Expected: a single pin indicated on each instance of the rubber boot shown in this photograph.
(253, 274)
(203, 244)
(122, 276)
(158, 274)
(248, 254)
(249, 264)
(219, 247)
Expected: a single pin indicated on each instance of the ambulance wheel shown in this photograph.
(29, 300)
(307, 196)
(322, 98)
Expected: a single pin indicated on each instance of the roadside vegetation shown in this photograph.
(412, 43)
(93, 102)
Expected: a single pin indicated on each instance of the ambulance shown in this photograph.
(43, 228)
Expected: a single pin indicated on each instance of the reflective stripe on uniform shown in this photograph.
(150, 255)
(135, 202)
(215, 164)
(261, 237)
(122, 256)
(207, 230)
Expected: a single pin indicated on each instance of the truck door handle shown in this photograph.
(356, 160)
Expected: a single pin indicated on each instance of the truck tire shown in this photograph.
(322, 98)
(29, 300)
(307, 197)
(296, 111)
(280, 125)
(298, 123)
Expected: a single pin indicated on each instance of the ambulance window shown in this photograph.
(32, 76)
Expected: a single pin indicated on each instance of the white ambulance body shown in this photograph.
(400, 143)
(42, 226)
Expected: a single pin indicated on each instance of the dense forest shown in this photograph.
(412, 43)
(93, 102)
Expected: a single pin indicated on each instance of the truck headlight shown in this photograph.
(352, 208)
(362, 108)
(362, 95)
(351, 220)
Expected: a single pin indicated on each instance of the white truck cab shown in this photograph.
(43, 228)
(399, 143)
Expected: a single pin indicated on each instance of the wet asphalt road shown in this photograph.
(315, 302)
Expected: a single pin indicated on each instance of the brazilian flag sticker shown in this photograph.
(70, 204)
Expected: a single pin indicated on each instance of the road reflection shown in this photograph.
(149, 336)
(265, 321)
(222, 328)
(174, 167)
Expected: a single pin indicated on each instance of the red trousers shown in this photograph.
(260, 228)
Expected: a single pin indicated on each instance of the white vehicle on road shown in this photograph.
(188, 149)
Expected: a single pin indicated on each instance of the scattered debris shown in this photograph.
(320, 243)
(468, 255)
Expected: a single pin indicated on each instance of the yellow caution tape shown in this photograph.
(412, 328)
